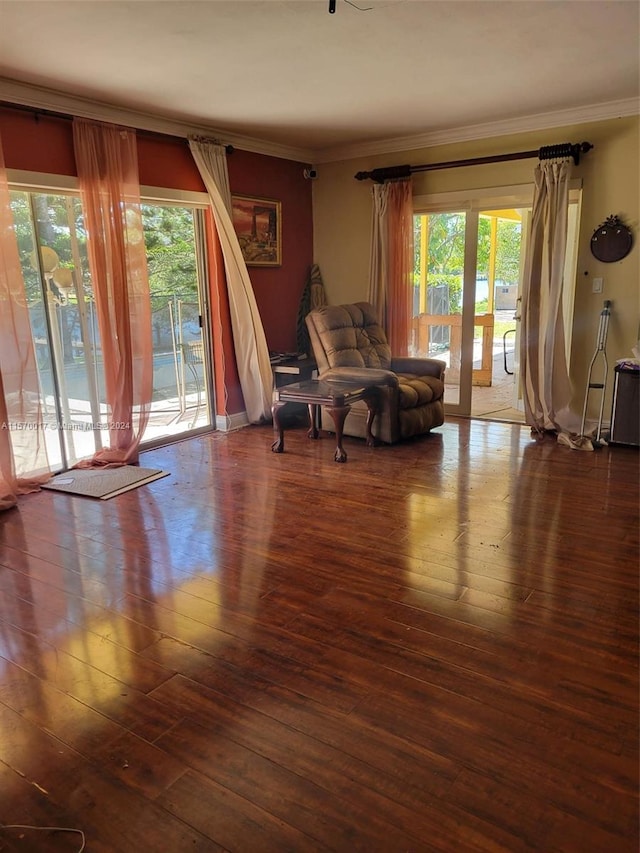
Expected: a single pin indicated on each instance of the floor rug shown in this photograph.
(103, 483)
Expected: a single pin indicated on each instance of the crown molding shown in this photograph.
(540, 121)
(39, 97)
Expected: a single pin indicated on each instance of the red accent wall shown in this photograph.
(278, 289)
(167, 162)
(37, 143)
(45, 144)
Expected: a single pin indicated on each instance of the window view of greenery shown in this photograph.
(173, 279)
(445, 256)
(440, 273)
(169, 234)
(507, 258)
(442, 268)
(44, 220)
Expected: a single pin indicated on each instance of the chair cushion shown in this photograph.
(352, 336)
(418, 390)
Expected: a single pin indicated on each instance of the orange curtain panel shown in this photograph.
(107, 162)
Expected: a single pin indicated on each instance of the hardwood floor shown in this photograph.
(431, 648)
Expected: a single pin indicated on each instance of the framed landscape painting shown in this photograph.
(257, 222)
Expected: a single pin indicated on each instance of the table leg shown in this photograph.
(339, 414)
(372, 411)
(278, 444)
(313, 420)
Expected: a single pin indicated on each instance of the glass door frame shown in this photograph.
(200, 203)
(471, 203)
(63, 433)
(463, 407)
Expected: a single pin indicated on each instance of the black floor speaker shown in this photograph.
(625, 412)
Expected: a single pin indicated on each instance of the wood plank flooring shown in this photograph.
(431, 648)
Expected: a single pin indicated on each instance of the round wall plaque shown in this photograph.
(611, 241)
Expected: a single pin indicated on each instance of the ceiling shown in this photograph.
(290, 74)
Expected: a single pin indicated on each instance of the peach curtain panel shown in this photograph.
(23, 456)
(544, 374)
(392, 261)
(107, 163)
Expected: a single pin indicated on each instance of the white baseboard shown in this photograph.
(226, 423)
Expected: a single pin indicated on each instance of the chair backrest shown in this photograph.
(348, 336)
(193, 352)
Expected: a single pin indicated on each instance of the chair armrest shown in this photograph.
(419, 366)
(363, 375)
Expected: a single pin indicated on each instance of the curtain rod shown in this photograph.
(153, 134)
(548, 152)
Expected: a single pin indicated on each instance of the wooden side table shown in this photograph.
(336, 396)
(290, 369)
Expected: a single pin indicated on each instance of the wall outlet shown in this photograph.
(597, 285)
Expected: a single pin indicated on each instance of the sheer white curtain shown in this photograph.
(545, 378)
(252, 352)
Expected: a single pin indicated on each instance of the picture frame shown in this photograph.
(258, 226)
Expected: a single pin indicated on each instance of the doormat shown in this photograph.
(103, 483)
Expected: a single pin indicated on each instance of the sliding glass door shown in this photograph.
(176, 258)
(499, 269)
(52, 248)
(442, 324)
(469, 260)
(52, 252)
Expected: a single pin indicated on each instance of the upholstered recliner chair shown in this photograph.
(350, 345)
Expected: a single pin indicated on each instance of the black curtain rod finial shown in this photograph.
(387, 173)
(565, 149)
